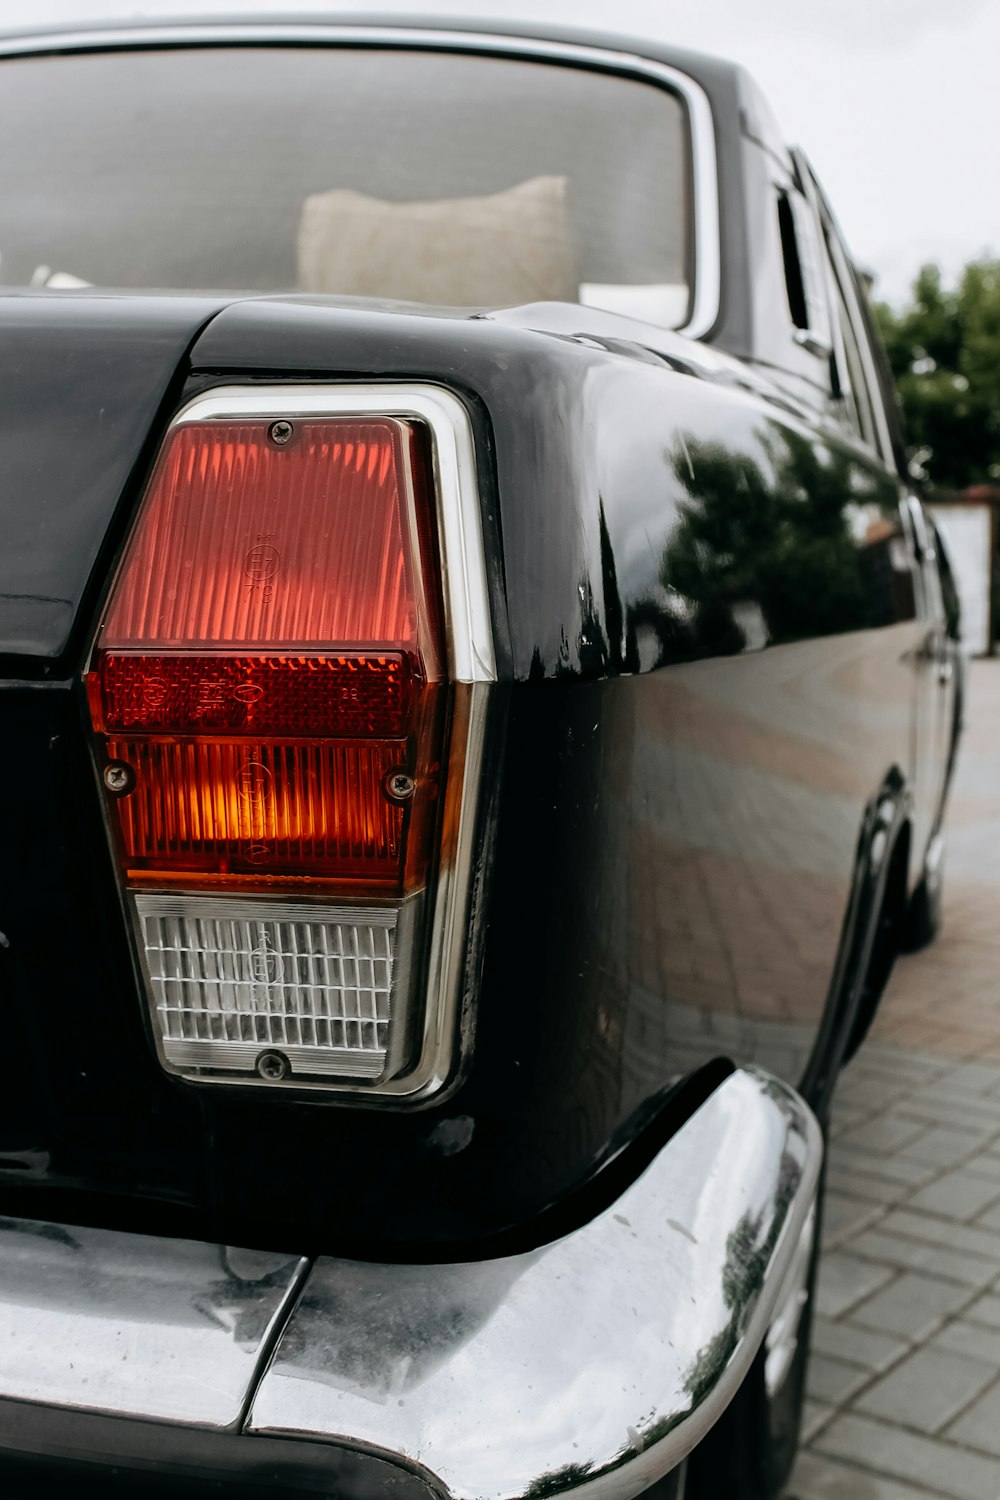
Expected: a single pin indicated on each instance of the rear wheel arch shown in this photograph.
(750, 1452)
(888, 941)
(872, 936)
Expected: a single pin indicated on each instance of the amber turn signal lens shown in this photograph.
(243, 809)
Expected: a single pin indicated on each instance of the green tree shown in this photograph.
(944, 349)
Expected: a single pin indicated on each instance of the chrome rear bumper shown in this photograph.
(594, 1363)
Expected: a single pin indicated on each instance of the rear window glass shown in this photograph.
(447, 178)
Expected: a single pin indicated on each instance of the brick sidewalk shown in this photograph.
(904, 1390)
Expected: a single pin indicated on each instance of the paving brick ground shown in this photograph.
(904, 1392)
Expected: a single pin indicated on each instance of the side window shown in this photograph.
(807, 302)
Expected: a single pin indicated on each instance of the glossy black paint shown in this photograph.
(701, 749)
(86, 1107)
(82, 385)
(645, 525)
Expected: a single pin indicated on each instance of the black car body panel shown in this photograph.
(628, 505)
(84, 383)
(715, 737)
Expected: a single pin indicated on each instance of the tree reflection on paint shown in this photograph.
(797, 534)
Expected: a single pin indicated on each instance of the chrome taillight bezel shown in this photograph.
(437, 1029)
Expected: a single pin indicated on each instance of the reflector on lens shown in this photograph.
(353, 695)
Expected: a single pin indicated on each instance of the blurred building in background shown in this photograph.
(969, 521)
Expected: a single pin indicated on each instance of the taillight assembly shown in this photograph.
(283, 731)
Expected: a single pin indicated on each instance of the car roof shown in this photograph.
(700, 66)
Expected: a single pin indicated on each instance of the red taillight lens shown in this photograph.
(270, 662)
(320, 539)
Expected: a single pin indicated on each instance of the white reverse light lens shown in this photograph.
(277, 989)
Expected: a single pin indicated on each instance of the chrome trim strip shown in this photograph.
(707, 238)
(594, 1364)
(169, 1330)
(472, 668)
(448, 1025)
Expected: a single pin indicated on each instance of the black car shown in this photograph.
(477, 700)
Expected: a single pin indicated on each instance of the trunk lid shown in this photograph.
(83, 381)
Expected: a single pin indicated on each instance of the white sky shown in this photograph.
(895, 101)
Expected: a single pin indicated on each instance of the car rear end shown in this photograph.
(310, 730)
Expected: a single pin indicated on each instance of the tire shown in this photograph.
(750, 1452)
(923, 918)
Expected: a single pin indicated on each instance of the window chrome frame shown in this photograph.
(446, 1034)
(707, 267)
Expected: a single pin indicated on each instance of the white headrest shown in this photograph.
(496, 251)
